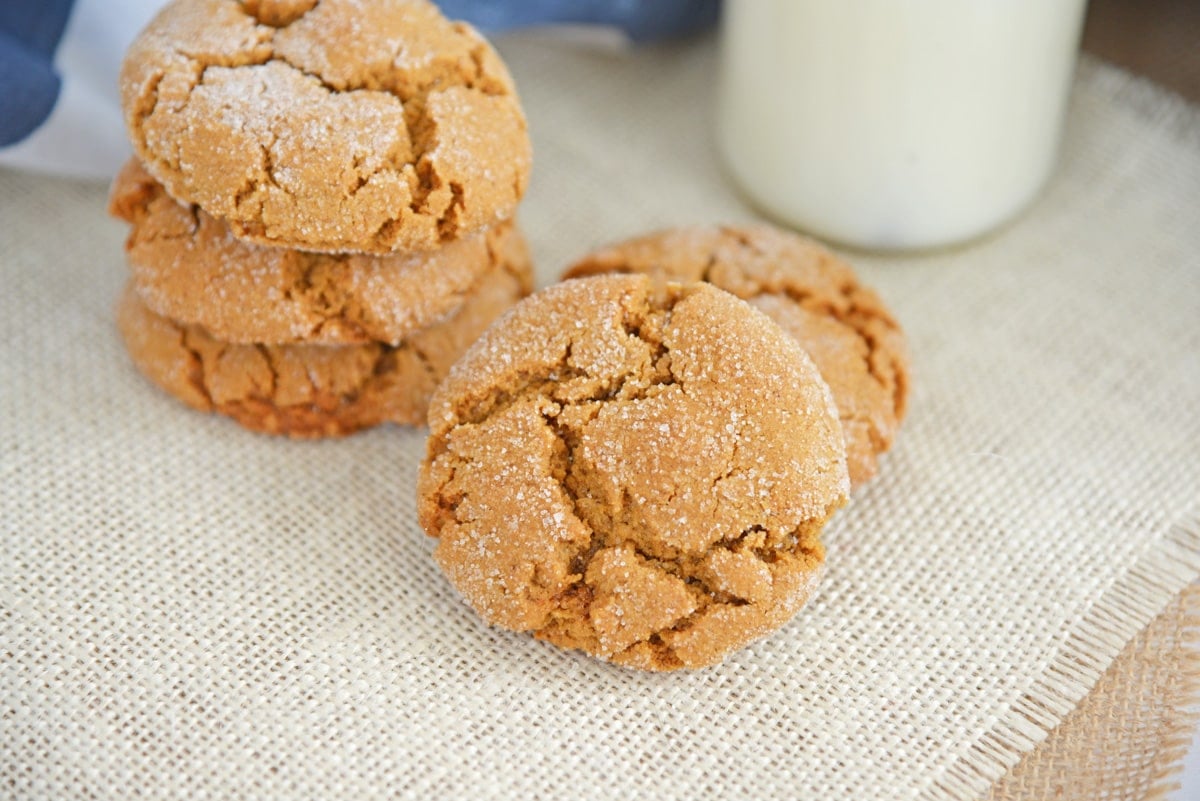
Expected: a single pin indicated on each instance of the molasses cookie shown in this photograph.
(639, 471)
(312, 390)
(187, 266)
(344, 125)
(815, 296)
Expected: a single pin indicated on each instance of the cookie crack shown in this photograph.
(201, 63)
(505, 261)
(267, 159)
(743, 240)
(448, 503)
(560, 373)
(857, 318)
(194, 212)
(272, 368)
(665, 654)
(427, 180)
(736, 434)
(195, 372)
(705, 595)
(138, 234)
(798, 542)
(147, 106)
(275, 14)
(325, 301)
(603, 531)
(333, 89)
(422, 136)
(422, 358)
(861, 320)
(570, 483)
(545, 385)
(449, 222)
(251, 189)
(479, 79)
(893, 379)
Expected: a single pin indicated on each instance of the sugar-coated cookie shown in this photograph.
(312, 390)
(340, 125)
(187, 266)
(638, 471)
(814, 295)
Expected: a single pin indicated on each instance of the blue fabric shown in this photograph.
(29, 32)
(642, 20)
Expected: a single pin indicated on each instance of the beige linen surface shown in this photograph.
(189, 609)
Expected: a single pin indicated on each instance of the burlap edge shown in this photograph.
(1117, 617)
(1182, 720)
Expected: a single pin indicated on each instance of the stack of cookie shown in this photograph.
(321, 206)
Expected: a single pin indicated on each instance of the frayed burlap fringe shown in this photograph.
(1127, 737)
(1126, 740)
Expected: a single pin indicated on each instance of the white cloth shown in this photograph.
(189, 609)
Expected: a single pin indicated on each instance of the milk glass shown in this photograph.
(894, 124)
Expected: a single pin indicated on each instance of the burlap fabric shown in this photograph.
(187, 609)
(1125, 740)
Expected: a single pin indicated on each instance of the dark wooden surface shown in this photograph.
(1156, 38)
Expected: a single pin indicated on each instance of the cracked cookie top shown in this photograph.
(187, 266)
(329, 125)
(813, 295)
(638, 470)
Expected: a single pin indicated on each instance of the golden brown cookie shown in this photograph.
(343, 125)
(188, 267)
(815, 296)
(639, 472)
(312, 390)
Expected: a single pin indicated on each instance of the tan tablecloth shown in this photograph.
(186, 608)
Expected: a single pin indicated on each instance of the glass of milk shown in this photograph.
(894, 124)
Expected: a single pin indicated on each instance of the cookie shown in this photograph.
(344, 125)
(188, 267)
(311, 390)
(815, 296)
(639, 472)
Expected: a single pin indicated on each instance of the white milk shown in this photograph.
(894, 124)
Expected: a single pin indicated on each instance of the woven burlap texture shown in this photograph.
(189, 609)
(1126, 739)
